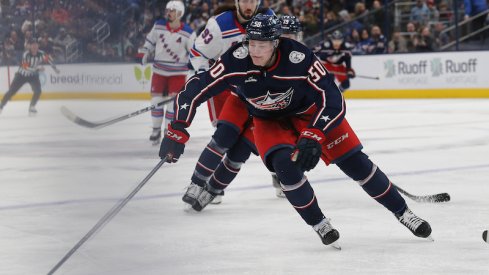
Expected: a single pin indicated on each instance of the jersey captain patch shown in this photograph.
(272, 102)
(240, 53)
(296, 57)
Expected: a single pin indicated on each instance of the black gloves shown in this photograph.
(173, 143)
(351, 73)
(308, 149)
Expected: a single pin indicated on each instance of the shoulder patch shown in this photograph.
(296, 57)
(240, 53)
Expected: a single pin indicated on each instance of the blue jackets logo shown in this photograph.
(272, 102)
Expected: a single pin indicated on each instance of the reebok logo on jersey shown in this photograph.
(250, 79)
(272, 102)
(337, 141)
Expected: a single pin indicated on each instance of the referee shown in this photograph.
(28, 72)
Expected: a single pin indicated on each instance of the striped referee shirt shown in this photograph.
(30, 63)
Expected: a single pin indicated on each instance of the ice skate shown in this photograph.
(204, 198)
(218, 198)
(155, 136)
(1, 109)
(192, 193)
(32, 111)
(415, 224)
(328, 235)
(276, 184)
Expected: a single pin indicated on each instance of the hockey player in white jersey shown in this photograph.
(220, 33)
(171, 41)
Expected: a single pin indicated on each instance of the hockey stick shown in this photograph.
(107, 217)
(440, 197)
(106, 122)
(359, 76)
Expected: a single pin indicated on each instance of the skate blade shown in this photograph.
(336, 245)
(429, 238)
(155, 143)
(188, 209)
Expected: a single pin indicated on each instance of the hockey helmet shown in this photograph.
(236, 2)
(178, 6)
(290, 24)
(264, 27)
(337, 35)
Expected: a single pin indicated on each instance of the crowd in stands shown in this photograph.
(113, 30)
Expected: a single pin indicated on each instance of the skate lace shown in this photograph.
(193, 190)
(410, 220)
(205, 197)
(324, 227)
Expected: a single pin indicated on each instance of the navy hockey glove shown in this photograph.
(173, 144)
(351, 73)
(308, 149)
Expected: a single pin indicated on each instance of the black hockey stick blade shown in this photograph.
(435, 198)
(104, 123)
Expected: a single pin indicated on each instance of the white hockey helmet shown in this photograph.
(241, 13)
(178, 6)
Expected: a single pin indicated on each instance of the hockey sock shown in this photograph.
(157, 113)
(296, 187)
(169, 114)
(229, 168)
(361, 169)
(208, 161)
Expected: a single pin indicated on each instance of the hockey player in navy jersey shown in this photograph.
(231, 144)
(299, 118)
(220, 33)
(170, 40)
(336, 56)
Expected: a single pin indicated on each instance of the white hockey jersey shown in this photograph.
(171, 48)
(221, 32)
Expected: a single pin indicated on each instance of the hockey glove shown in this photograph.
(351, 73)
(173, 144)
(142, 55)
(308, 149)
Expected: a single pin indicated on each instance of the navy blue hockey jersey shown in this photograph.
(296, 82)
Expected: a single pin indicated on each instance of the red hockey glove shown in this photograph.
(308, 149)
(173, 144)
(351, 73)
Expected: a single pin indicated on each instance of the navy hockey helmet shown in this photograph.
(290, 24)
(337, 35)
(264, 27)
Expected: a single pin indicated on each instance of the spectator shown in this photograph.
(46, 43)
(355, 40)
(397, 44)
(441, 38)
(378, 43)
(378, 17)
(434, 13)
(472, 8)
(365, 41)
(420, 13)
(424, 41)
(446, 14)
(411, 35)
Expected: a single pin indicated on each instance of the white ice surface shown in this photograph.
(58, 179)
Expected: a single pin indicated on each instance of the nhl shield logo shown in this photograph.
(296, 57)
(272, 102)
(240, 53)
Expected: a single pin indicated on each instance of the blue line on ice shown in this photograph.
(255, 187)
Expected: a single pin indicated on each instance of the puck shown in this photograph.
(484, 236)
